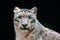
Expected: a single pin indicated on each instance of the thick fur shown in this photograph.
(34, 29)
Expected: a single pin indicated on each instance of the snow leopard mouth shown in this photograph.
(27, 28)
(24, 28)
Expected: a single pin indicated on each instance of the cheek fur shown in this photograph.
(16, 20)
(33, 21)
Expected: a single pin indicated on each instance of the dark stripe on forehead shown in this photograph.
(25, 10)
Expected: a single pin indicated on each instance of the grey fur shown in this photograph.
(41, 32)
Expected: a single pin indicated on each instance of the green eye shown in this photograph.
(20, 17)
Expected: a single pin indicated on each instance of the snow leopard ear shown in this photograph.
(34, 10)
(16, 10)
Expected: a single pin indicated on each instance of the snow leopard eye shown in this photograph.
(29, 17)
(20, 17)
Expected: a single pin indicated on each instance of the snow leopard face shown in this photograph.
(25, 19)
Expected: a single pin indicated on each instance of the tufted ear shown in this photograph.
(16, 10)
(34, 10)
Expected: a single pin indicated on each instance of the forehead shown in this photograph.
(25, 12)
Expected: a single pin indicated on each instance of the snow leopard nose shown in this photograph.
(24, 25)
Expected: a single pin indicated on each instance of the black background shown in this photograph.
(46, 14)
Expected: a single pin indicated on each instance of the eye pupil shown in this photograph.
(20, 17)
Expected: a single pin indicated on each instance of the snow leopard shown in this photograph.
(27, 27)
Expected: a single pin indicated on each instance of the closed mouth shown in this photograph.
(24, 28)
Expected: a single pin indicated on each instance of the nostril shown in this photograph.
(24, 25)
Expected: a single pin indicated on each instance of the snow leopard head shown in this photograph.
(25, 19)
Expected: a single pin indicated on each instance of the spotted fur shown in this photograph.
(27, 27)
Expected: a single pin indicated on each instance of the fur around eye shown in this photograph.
(29, 17)
(20, 17)
(33, 21)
